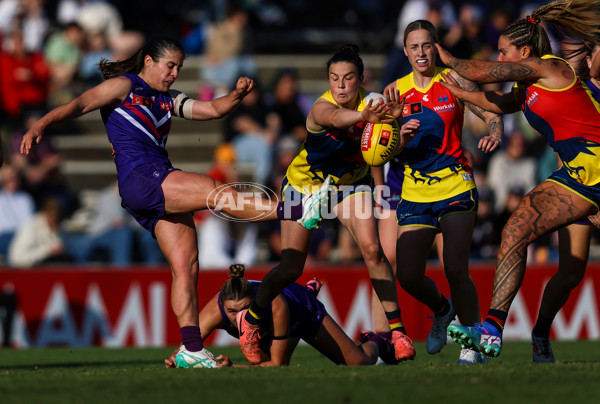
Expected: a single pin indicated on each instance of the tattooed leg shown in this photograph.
(547, 208)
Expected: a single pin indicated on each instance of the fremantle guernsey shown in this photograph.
(435, 167)
(569, 119)
(138, 127)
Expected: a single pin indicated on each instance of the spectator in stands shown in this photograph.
(486, 239)
(467, 38)
(29, 15)
(110, 231)
(511, 167)
(289, 104)
(253, 129)
(38, 241)
(228, 52)
(41, 170)
(24, 77)
(222, 242)
(16, 206)
(63, 51)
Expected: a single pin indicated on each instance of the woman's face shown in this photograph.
(507, 52)
(344, 83)
(233, 307)
(421, 51)
(160, 75)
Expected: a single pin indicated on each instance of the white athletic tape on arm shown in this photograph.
(182, 106)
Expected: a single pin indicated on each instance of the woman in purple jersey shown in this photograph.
(295, 314)
(136, 105)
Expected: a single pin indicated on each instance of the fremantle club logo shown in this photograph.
(228, 201)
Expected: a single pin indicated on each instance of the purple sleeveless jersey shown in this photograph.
(138, 129)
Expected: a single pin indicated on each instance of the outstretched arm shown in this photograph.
(494, 122)
(493, 101)
(325, 114)
(110, 92)
(219, 107)
(495, 72)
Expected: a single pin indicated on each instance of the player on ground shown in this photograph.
(558, 105)
(438, 191)
(136, 105)
(293, 315)
(332, 148)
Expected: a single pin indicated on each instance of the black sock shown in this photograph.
(496, 318)
(395, 321)
(542, 326)
(254, 314)
(442, 308)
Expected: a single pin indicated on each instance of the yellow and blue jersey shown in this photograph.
(334, 152)
(569, 119)
(435, 167)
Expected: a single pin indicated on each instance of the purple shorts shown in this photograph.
(142, 195)
(394, 181)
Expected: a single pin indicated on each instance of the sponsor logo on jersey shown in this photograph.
(531, 98)
(165, 106)
(444, 108)
(412, 109)
(139, 100)
(443, 99)
(426, 98)
(467, 177)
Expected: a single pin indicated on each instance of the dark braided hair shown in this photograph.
(347, 53)
(237, 287)
(156, 48)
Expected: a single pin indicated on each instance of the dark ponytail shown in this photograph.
(156, 48)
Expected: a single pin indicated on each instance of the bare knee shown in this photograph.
(372, 253)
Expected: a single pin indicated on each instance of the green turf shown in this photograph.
(100, 375)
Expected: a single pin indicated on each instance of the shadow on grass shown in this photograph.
(74, 365)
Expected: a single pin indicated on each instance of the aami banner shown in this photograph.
(81, 306)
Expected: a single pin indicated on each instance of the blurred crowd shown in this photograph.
(49, 54)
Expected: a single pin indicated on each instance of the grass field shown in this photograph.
(100, 375)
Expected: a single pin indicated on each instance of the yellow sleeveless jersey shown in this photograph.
(334, 152)
(435, 167)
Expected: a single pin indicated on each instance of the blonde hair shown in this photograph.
(575, 19)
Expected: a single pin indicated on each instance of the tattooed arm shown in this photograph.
(491, 72)
(493, 101)
(494, 122)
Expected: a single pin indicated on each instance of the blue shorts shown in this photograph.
(428, 214)
(589, 192)
(364, 185)
(142, 195)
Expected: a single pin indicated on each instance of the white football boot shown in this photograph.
(200, 359)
